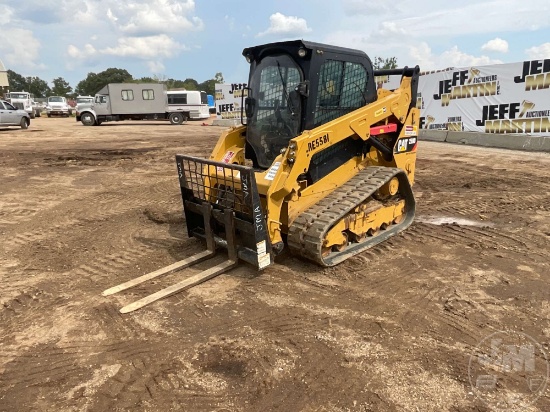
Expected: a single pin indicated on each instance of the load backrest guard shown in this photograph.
(225, 187)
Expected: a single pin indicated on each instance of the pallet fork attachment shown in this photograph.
(217, 216)
(193, 280)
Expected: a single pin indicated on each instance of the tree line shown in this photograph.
(96, 81)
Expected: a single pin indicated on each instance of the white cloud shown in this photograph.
(390, 28)
(427, 60)
(230, 21)
(496, 45)
(422, 55)
(20, 47)
(150, 48)
(145, 47)
(367, 8)
(154, 16)
(286, 25)
(81, 53)
(111, 16)
(83, 12)
(78, 55)
(539, 52)
(6, 14)
(155, 66)
(133, 17)
(474, 17)
(456, 58)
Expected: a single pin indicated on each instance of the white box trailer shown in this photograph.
(130, 101)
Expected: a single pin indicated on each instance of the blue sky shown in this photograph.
(196, 39)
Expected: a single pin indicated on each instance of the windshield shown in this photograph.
(55, 99)
(19, 96)
(276, 110)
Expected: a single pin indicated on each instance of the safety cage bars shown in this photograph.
(226, 187)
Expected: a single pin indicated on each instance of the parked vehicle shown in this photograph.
(24, 101)
(12, 116)
(192, 103)
(133, 101)
(57, 105)
(81, 102)
(211, 103)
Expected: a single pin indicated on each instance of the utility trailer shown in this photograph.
(130, 101)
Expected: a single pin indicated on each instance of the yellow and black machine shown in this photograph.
(323, 164)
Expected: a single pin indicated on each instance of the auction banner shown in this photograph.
(230, 100)
(503, 98)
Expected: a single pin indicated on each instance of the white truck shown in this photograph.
(57, 105)
(81, 102)
(133, 101)
(24, 101)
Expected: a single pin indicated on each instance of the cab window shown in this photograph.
(341, 90)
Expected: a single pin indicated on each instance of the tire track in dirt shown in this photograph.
(51, 365)
(415, 298)
(320, 365)
(24, 238)
(108, 205)
(414, 295)
(114, 267)
(12, 213)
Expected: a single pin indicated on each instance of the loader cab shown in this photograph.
(296, 86)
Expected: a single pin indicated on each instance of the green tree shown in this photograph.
(38, 87)
(190, 84)
(94, 82)
(209, 86)
(146, 80)
(34, 85)
(172, 84)
(387, 63)
(61, 87)
(17, 82)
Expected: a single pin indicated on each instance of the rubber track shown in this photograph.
(306, 233)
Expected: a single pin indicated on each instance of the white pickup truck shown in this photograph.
(57, 105)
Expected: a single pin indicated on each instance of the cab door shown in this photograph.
(102, 105)
(2, 109)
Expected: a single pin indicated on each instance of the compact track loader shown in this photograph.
(323, 164)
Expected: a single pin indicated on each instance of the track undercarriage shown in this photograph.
(372, 206)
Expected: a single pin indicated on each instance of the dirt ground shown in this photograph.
(393, 329)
